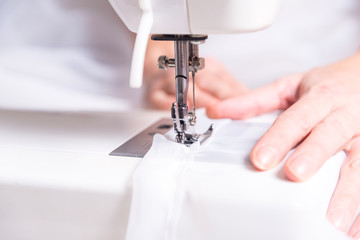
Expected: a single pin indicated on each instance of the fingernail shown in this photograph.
(356, 235)
(355, 164)
(302, 168)
(340, 220)
(265, 158)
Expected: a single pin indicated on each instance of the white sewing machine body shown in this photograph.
(200, 16)
(187, 23)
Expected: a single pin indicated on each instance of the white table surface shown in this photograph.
(57, 180)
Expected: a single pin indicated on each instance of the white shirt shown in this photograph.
(306, 34)
(75, 55)
(64, 55)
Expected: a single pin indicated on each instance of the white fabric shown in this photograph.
(213, 192)
(155, 190)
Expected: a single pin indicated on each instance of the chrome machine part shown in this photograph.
(140, 144)
(186, 48)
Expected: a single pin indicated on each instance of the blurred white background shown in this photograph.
(75, 54)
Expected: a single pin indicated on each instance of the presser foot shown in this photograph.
(188, 139)
(140, 144)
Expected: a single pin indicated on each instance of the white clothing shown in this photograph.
(306, 34)
(63, 54)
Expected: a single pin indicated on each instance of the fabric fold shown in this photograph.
(212, 192)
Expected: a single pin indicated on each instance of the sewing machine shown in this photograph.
(57, 181)
(187, 23)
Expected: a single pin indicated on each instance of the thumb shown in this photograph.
(277, 95)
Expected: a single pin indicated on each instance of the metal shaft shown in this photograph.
(181, 71)
(186, 60)
(194, 50)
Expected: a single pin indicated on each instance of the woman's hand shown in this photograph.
(212, 84)
(322, 116)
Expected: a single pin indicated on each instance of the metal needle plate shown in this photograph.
(140, 144)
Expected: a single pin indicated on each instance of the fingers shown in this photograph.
(160, 99)
(277, 95)
(346, 198)
(202, 99)
(354, 231)
(289, 129)
(217, 81)
(326, 139)
(213, 84)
